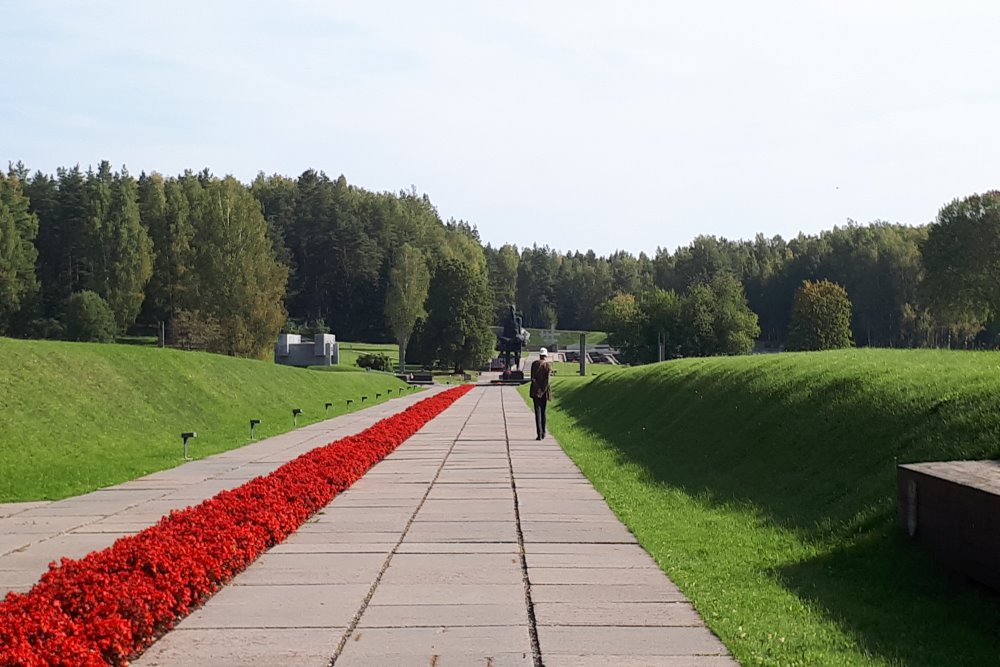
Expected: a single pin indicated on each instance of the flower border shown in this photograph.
(110, 605)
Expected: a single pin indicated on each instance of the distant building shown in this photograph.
(291, 350)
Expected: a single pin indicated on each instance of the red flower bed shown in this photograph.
(111, 604)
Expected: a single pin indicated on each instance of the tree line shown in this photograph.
(222, 265)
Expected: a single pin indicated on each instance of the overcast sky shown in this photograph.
(578, 125)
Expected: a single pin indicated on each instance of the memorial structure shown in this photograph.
(322, 350)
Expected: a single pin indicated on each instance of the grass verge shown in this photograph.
(78, 416)
(765, 487)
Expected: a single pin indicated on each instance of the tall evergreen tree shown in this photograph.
(165, 208)
(61, 205)
(18, 229)
(122, 259)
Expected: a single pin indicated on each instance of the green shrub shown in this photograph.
(88, 317)
(376, 361)
(45, 327)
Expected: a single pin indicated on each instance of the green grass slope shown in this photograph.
(765, 487)
(77, 416)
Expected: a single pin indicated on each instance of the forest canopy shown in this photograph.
(223, 265)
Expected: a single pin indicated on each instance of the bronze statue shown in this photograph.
(511, 340)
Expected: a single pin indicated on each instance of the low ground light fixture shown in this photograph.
(187, 435)
(295, 416)
(253, 424)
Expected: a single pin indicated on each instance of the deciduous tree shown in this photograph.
(238, 281)
(962, 260)
(409, 280)
(459, 313)
(821, 317)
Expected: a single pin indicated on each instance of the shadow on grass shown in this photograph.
(816, 452)
(900, 604)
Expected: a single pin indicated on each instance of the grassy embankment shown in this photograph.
(765, 487)
(78, 416)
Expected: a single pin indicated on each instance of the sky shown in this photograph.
(578, 125)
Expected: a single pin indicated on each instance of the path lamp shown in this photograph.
(295, 416)
(327, 408)
(187, 436)
(378, 395)
(349, 401)
(364, 398)
(253, 425)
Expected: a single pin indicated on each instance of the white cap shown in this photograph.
(543, 352)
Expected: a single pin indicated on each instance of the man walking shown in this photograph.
(541, 392)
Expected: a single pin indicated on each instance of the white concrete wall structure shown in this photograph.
(291, 350)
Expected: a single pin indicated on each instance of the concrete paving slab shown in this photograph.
(281, 606)
(322, 532)
(10, 509)
(631, 558)
(628, 641)
(427, 594)
(605, 592)
(14, 542)
(459, 548)
(238, 647)
(599, 613)
(69, 545)
(324, 536)
(598, 660)
(471, 492)
(478, 643)
(289, 547)
(576, 532)
(312, 568)
(444, 615)
(48, 525)
(596, 575)
(454, 569)
(436, 659)
(448, 531)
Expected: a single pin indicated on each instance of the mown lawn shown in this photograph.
(79, 416)
(566, 337)
(349, 352)
(765, 487)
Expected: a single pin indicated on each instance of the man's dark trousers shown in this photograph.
(540, 404)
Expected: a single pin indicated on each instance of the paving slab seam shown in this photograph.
(406, 529)
(536, 650)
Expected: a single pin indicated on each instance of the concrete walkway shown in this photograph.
(472, 544)
(34, 534)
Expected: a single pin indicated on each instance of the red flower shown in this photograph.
(111, 604)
